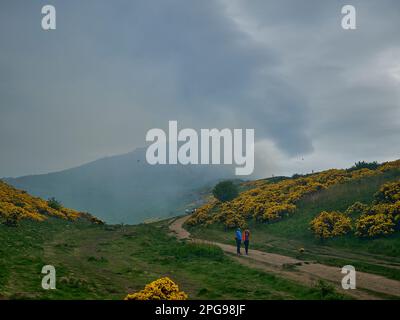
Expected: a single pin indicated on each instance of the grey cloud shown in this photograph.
(353, 101)
(113, 70)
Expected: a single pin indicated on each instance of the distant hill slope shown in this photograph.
(16, 205)
(125, 188)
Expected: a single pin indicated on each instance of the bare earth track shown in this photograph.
(369, 286)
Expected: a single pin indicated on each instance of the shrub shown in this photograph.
(357, 208)
(380, 224)
(234, 220)
(296, 176)
(364, 165)
(390, 209)
(383, 218)
(161, 289)
(225, 191)
(54, 204)
(201, 216)
(326, 290)
(259, 197)
(91, 218)
(18, 205)
(330, 224)
(389, 165)
(12, 219)
(276, 212)
(388, 193)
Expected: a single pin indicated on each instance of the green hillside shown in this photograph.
(289, 235)
(108, 262)
(100, 261)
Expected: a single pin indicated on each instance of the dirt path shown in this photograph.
(369, 286)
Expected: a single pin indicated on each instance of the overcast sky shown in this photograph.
(317, 96)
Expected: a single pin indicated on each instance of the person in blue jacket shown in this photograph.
(238, 238)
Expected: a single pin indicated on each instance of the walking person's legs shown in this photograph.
(238, 244)
(246, 247)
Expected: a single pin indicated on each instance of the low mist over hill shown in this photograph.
(125, 188)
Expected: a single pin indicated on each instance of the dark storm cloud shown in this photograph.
(350, 79)
(113, 70)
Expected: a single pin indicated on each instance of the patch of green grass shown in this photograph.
(107, 262)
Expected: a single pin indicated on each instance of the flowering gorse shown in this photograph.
(383, 217)
(357, 208)
(330, 224)
(270, 201)
(379, 219)
(16, 205)
(374, 225)
(161, 289)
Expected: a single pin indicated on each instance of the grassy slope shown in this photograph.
(107, 262)
(381, 256)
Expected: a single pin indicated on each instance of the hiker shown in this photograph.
(238, 237)
(246, 240)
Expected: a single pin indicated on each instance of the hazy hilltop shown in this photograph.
(125, 188)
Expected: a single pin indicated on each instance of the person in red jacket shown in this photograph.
(246, 240)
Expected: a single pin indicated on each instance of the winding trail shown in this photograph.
(369, 286)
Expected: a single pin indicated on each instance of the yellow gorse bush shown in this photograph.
(357, 208)
(389, 166)
(374, 225)
(383, 217)
(161, 289)
(330, 224)
(17, 205)
(271, 201)
(379, 219)
(388, 193)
